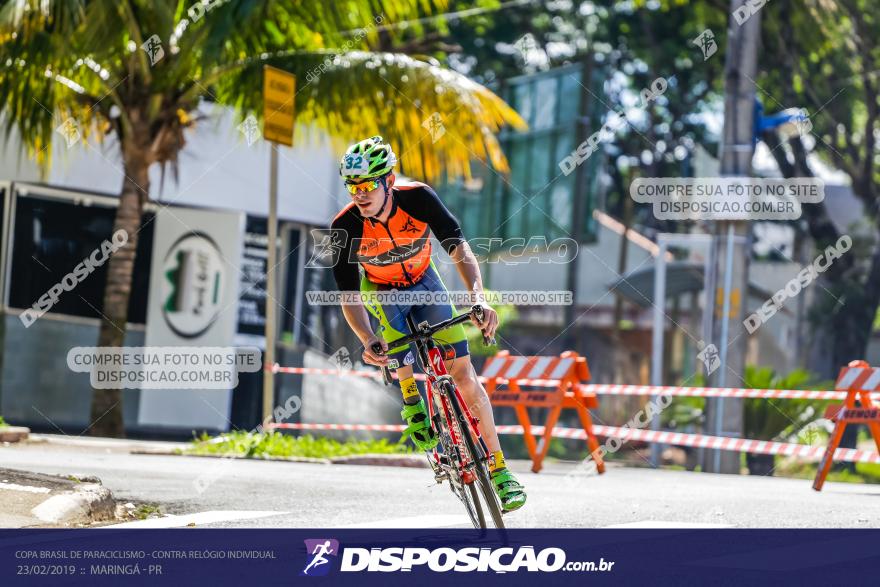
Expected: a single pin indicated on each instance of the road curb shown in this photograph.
(14, 433)
(65, 501)
(411, 461)
(172, 453)
(86, 504)
(380, 460)
(113, 444)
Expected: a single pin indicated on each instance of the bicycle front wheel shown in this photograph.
(471, 497)
(466, 493)
(478, 457)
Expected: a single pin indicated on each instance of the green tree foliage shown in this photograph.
(823, 56)
(770, 419)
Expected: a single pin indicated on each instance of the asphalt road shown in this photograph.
(227, 493)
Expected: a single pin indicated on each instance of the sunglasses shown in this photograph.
(366, 186)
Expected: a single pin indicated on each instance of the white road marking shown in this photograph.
(665, 524)
(27, 488)
(198, 519)
(427, 521)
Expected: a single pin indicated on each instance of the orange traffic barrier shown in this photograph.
(858, 379)
(505, 375)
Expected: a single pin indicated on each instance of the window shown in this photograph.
(570, 91)
(546, 93)
(51, 236)
(535, 199)
(521, 100)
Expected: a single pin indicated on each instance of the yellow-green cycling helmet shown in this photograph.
(367, 159)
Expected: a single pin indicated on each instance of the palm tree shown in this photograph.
(139, 69)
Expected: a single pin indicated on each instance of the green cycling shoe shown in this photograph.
(509, 490)
(418, 426)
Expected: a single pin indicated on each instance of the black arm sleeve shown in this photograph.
(424, 204)
(344, 232)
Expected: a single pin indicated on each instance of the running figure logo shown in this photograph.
(325, 250)
(318, 549)
(710, 357)
(706, 43)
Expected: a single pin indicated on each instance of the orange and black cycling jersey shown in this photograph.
(396, 252)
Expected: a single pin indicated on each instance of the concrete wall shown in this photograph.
(36, 387)
(775, 344)
(14, 164)
(346, 400)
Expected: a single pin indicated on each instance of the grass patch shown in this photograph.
(3, 423)
(142, 511)
(865, 472)
(275, 444)
(146, 511)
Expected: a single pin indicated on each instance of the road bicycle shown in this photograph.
(464, 460)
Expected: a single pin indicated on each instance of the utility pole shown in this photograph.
(271, 287)
(279, 93)
(730, 292)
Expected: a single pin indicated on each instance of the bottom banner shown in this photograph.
(466, 557)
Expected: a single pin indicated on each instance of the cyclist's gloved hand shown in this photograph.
(370, 356)
(490, 321)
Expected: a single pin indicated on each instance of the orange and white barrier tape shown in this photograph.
(766, 447)
(734, 392)
(373, 374)
(359, 427)
(614, 389)
(378, 375)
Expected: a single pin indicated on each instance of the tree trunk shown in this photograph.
(106, 414)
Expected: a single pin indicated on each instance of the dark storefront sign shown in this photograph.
(252, 288)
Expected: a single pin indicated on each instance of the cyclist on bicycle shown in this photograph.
(386, 231)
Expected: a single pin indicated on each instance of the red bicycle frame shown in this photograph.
(438, 369)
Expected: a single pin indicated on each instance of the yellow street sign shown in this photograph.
(734, 302)
(279, 88)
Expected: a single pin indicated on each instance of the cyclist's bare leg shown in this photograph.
(404, 373)
(476, 398)
(510, 490)
(407, 384)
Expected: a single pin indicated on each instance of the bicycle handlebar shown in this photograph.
(430, 331)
